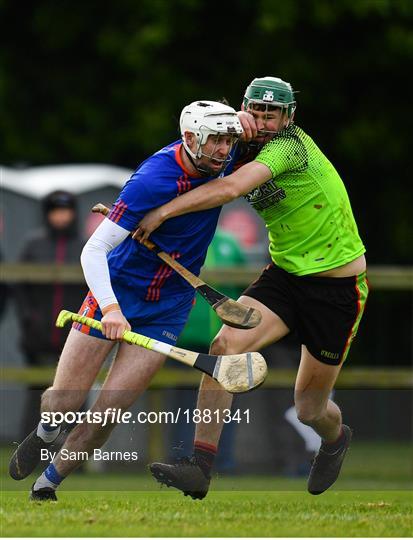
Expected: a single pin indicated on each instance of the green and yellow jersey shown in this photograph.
(305, 206)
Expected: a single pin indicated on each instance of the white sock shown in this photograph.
(43, 482)
(46, 435)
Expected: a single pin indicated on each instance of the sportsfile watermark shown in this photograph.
(117, 416)
(262, 439)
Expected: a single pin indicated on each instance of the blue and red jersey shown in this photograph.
(135, 270)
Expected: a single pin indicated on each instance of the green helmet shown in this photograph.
(271, 91)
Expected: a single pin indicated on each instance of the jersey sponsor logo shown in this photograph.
(266, 195)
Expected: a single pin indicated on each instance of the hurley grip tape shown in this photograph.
(129, 337)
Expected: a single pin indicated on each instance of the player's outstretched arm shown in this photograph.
(214, 193)
(96, 271)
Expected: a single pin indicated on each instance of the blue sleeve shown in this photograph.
(136, 198)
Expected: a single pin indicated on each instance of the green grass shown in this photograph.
(372, 498)
(247, 513)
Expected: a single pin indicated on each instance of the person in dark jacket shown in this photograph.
(57, 242)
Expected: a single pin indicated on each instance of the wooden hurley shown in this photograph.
(231, 312)
(236, 373)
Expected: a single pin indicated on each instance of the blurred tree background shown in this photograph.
(105, 82)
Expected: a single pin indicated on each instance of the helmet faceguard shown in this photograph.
(205, 118)
(269, 93)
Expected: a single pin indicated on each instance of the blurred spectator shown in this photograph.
(57, 242)
(242, 225)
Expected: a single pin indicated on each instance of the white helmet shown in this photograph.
(203, 118)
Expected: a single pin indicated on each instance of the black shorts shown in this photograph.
(324, 311)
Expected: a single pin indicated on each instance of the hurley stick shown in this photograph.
(231, 312)
(236, 373)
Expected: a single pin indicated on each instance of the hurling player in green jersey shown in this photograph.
(316, 284)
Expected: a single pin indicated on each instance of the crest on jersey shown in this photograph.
(268, 95)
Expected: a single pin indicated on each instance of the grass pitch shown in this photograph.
(373, 497)
(222, 513)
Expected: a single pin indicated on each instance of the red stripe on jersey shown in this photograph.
(150, 293)
(122, 207)
(160, 282)
(153, 293)
(180, 185)
(187, 183)
(117, 211)
(114, 212)
(183, 183)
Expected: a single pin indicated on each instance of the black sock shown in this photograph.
(333, 446)
(205, 455)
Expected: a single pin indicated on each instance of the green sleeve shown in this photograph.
(284, 154)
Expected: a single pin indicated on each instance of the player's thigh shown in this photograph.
(314, 383)
(80, 361)
(130, 374)
(79, 364)
(234, 340)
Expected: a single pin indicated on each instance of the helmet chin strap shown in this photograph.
(204, 170)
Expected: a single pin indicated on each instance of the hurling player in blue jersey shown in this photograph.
(131, 289)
